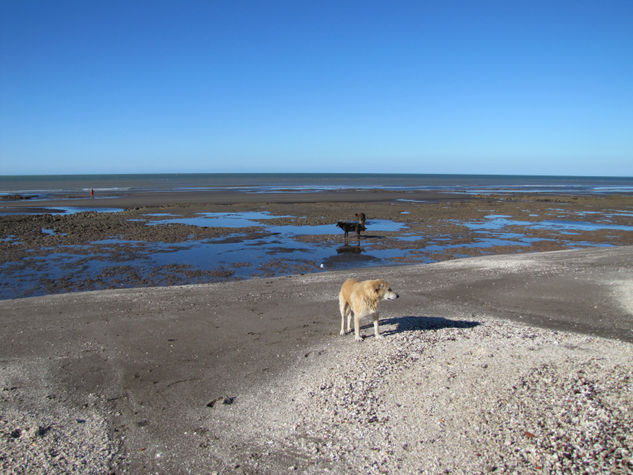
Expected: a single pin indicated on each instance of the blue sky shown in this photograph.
(525, 87)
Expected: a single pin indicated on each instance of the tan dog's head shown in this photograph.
(383, 291)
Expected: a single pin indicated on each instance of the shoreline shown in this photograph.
(150, 199)
(128, 377)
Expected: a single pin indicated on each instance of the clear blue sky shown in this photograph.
(537, 87)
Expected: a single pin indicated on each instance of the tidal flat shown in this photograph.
(170, 239)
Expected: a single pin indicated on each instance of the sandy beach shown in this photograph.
(509, 362)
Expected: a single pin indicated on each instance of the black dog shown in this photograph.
(347, 227)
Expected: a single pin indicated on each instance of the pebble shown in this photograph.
(457, 399)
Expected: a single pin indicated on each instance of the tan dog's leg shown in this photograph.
(357, 336)
(376, 332)
(349, 319)
(345, 310)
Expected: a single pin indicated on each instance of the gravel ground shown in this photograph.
(477, 395)
(59, 438)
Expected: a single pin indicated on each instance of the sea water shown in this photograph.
(46, 186)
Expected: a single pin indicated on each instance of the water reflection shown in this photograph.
(346, 248)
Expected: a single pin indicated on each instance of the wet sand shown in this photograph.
(478, 371)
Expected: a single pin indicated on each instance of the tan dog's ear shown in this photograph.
(378, 286)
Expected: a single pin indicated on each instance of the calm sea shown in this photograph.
(46, 185)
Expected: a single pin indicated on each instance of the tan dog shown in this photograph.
(361, 299)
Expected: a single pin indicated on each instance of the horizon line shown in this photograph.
(313, 173)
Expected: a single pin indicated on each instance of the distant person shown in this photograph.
(92, 193)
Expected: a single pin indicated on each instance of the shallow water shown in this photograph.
(274, 250)
(112, 263)
(495, 222)
(219, 220)
(254, 219)
(56, 210)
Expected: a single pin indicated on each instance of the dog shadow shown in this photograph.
(412, 323)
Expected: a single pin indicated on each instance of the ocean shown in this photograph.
(46, 186)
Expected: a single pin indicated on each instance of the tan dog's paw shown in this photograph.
(358, 338)
(380, 337)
